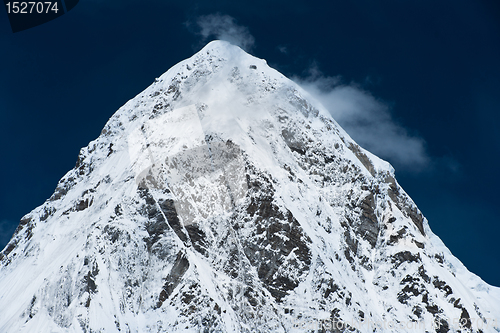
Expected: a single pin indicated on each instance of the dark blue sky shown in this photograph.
(434, 66)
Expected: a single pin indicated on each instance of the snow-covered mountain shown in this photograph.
(223, 198)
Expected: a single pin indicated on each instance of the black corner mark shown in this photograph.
(70, 4)
(28, 14)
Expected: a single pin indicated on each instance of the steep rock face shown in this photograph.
(224, 199)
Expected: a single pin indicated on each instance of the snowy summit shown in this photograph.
(223, 198)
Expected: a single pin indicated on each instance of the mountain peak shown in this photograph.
(223, 198)
(221, 47)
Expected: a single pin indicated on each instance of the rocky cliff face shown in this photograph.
(224, 199)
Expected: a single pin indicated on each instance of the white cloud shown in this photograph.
(224, 27)
(283, 49)
(367, 120)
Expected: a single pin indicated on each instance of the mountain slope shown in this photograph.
(224, 199)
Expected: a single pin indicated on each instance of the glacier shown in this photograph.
(224, 198)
